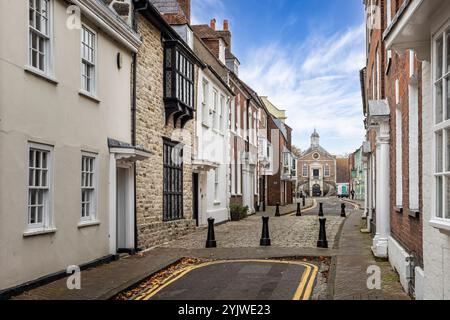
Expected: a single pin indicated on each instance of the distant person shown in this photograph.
(353, 194)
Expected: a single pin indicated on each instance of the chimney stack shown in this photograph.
(226, 25)
(213, 24)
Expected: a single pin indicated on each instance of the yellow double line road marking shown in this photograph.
(303, 292)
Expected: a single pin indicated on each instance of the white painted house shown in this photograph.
(66, 179)
(212, 146)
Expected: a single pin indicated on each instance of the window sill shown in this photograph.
(398, 209)
(414, 213)
(86, 224)
(89, 96)
(38, 73)
(442, 226)
(39, 232)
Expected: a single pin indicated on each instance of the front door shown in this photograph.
(125, 214)
(316, 190)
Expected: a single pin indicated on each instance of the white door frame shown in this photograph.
(113, 218)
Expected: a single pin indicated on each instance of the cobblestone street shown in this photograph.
(286, 231)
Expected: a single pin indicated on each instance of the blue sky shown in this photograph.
(305, 55)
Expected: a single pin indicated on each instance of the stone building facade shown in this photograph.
(164, 126)
(317, 170)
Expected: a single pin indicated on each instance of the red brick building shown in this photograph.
(391, 85)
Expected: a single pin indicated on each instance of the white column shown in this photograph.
(112, 205)
(369, 192)
(366, 186)
(380, 242)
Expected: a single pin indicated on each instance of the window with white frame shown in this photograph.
(413, 133)
(88, 60)
(216, 184)
(221, 113)
(305, 171)
(399, 157)
(245, 133)
(389, 12)
(238, 111)
(39, 170)
(233, 173)
(326, 170)
(442, 124)
(214, 109)
(40, 34)
(88, 176)
(286, 163)
(233, 115)
(205, 105)
(255, 128)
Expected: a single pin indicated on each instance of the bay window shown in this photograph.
(178, 83)
(40, 35)
(442, 125)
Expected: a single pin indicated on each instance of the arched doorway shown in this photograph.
(316, 191)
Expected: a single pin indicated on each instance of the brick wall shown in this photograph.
(151, 129)
(407, 230)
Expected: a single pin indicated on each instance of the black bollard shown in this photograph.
(321, 210)
(265, 237)
(299, 210)
(343, 214)
(304, 201)
(277, 210)
(322, 243)
(211, 241)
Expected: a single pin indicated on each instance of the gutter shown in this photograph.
(103, 17)
(133, 142)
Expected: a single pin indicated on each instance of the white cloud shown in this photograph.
(317, 83)
(205, 10)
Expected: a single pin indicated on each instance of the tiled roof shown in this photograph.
(274, 111)
(204, 31)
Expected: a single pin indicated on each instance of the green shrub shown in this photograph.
(238, 212)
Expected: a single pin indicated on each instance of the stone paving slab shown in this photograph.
(355, 256)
